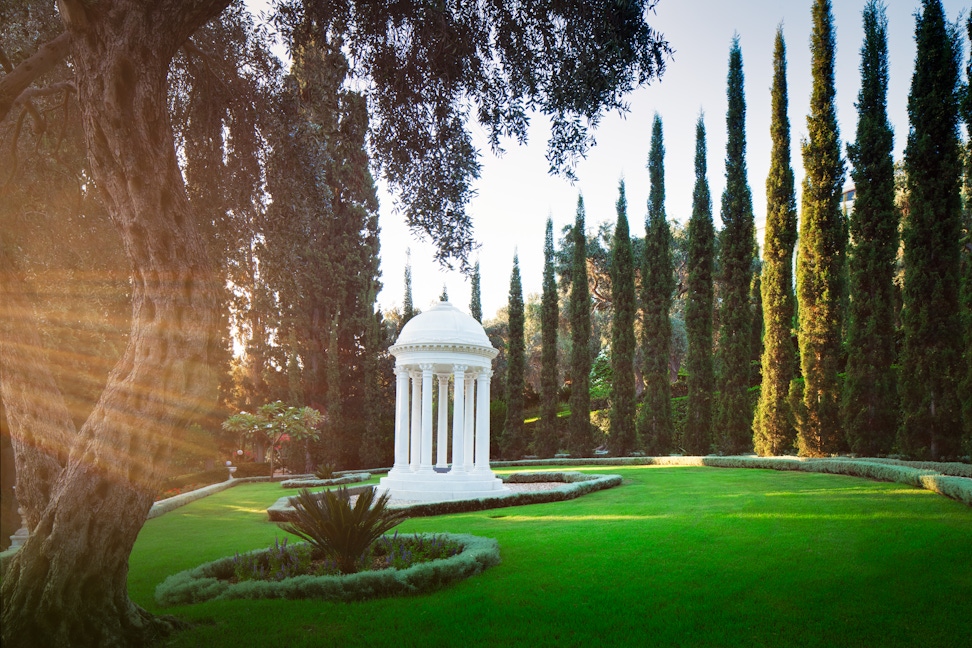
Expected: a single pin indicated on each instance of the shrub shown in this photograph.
(339, 530)
(325, 471)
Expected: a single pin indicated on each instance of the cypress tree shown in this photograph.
(546, 443)
(376, 441)
(655, 424)
(930, 410)
(869, 398)
(622, 439)
(698, 307)
(408, 308)
(516, 361)
(475, 299)
(336, 445)
(820, 257)
(735, 415)
(773, 433)
(756, 313)
(581, 442)
(966, 261)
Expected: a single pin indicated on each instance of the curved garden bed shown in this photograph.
(575, 484)
(312, 482)
(211, 581)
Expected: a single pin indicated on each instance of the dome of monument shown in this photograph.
(443, 324)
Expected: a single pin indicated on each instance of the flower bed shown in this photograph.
(215, 580)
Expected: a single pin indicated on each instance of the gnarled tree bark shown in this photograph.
(67, 586)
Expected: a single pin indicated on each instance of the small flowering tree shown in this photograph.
(275, 420)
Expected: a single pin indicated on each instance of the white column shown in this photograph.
(401, 419)
(442, 433)
(482, 421)
(416, 430)
(426, 452)
(458, 418)
(469, 424)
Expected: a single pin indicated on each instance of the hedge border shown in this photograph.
(575, 485)
(951, 479)
(203, 583)
(350, 478)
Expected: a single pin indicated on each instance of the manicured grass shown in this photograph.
(675, 556)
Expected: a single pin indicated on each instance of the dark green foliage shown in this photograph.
(869, 399)
(655, 425)
(428, 63)
(514, 444)
(580, 441)
(378, 436)
(930, 411)
(734, 416)
(316, 273)
(475, 299)
(698, 308)
(546, 441)
(820, 258)
(333, 428)
(339, 530)
(756, 313)
(966, 296)
(773, 432)
(622, 438)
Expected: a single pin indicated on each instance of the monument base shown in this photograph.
(440, 487)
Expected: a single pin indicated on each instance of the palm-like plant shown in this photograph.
(339, 530)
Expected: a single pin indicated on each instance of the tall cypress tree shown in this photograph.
(516, 361)
(966, 261)
(930, 410)
(408, 308)
(820, 258)
(734, 415)
(546, 443)
(773, 434)
(622, 439)
(475, 299)
(869, 400)
(655, 424)
(581, 442)
(698, 307)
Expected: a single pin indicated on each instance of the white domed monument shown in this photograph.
(442, 344)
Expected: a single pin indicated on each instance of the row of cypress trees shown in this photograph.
(910, 401)
(842, 388)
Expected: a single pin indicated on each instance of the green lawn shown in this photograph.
(676, 556)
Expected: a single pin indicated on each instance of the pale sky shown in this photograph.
(516, 194)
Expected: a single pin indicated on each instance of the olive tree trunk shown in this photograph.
(67, 586)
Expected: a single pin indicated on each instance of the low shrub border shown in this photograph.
(204, 583)
(303, 482)
(951, 479)
(575, 485)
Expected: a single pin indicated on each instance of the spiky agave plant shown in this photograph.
(339, 530)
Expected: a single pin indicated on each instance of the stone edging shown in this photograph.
(204, 583)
